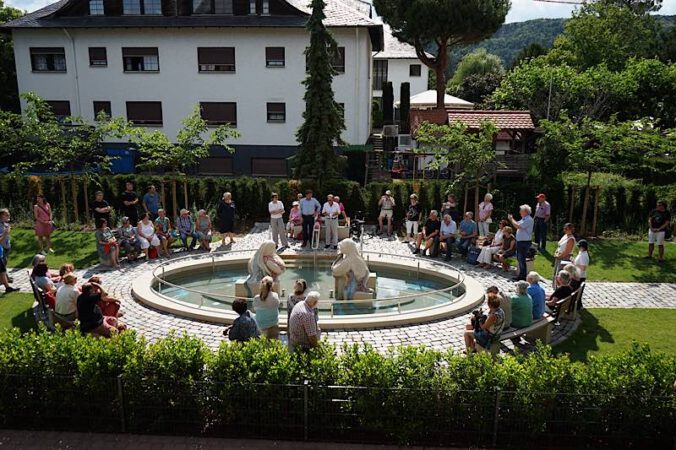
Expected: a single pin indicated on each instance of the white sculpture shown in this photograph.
(265, 262)
(351, 273)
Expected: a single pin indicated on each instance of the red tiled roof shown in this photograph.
(503, 120)
(418, 116)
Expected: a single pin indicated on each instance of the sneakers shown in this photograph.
(11, 289)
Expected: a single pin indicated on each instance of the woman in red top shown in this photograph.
(44, 225)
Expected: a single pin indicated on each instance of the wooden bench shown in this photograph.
(567, 308)
(41, 312)
(540, 330)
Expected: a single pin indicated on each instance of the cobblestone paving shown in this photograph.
(442, 334)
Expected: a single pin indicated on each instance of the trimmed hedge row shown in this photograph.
(411, 395)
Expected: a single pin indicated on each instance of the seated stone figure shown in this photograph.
(265, 262)
(350, 273)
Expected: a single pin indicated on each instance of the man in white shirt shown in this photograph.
(276, 209)
(331, 211)
(448, 230)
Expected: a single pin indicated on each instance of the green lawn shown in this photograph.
(75, 247)
(619, 260)
(15, 311)
(607, 331)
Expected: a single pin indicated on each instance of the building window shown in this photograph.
(152, 7)
(140, 59)
(414, 70)
(216, 59)
(277, 112)
(268, 167)
(144, 113)
(212, 7)
(339, 60)
(274, 56)
(96, 8)
(379, 74)
(98, 56)
(131, 7)
(252, 6)
(219, 113)
(201, 7)
(102, 107)
(266, 7)
(215, 165)
(60, 108)
(223, 7)
(48, 59)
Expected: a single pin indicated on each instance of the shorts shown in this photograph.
(386, 213)
(656, 238)
(483, 338)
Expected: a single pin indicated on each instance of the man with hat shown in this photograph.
(543, 211)
(386, 204)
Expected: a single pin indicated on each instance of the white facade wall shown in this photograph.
(179, 85)
(398, 71)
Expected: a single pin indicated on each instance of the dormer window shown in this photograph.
(141, 7)
(96, 8)
(252, 6)
(212, 7)
(266, 7)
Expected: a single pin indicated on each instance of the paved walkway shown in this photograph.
(442, 334)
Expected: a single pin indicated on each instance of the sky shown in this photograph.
(521, 9)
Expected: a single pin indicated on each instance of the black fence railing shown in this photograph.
(337, 413)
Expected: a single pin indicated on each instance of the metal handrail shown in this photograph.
(216, 296)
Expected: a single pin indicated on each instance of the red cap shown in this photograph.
(541, 195)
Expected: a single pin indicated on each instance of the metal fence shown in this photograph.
(337, 413)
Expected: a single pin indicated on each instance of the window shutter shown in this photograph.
(60, 108)
(218, 113)
(216, 55)
(149, 113)
(139, 51)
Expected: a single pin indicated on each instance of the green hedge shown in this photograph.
(411, 395)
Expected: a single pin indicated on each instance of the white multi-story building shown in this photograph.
(153, 60)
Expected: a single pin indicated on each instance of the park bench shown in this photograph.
(540, 330)
(41, 312)
(567, 308)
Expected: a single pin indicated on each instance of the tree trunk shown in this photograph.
(464, 206)
(440, 70)
(86, 201)
(73, 192)
(572, 204)
(185, 194)
(162, 196)
(476, 200)
(64, 211)
(173, 198)
(596, 211)
(585, 205)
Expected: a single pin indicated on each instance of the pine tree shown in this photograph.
(323, 121)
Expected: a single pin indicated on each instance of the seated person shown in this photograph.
(574, 276)
(66, 298)
(106, 244)
(342, 210)
(505, 304)
(163, 231)
(508, 248)
(128, 239)
(244, 327)
(145, 231)
(186, 229)
(448, 229)
(483, 334)
(563, 290)
(429, 233)
(295, 219)
(485, 258)
(91, 317)
(522, 306)
(44, 282)
(468, 233)
(109, 306)
(65, 269)
(203, 228)
(40, 258)
(537, 295)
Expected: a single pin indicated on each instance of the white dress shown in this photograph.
(582, 259)
(487, 252)
(148, 230)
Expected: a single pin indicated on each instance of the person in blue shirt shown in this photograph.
(468, 232)
(151, 202)
(524, 232)
(244, 327)
(309, 210)
(537, 294)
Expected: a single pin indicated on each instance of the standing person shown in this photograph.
(485, 212)
(130, 203)
(659, 221)
(145, 230)
(448, 230)
(5, 238)
(309, 210)
(303, 330)
(565, 248)
(101, 208)
(151, 202)
(331, 211)
(186, 229)
(266, 306)
(543, 211)
(226, 218)
(468, 232)
(524, 233)
(413, 216)
(429, 233)
(295, 219)
(582, 259)
(386, 204)
(106, 244)
(276, 210)
(44, 224)
(450, 207)
(203, 228)
(163, 230)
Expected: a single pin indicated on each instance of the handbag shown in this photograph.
(473, 255)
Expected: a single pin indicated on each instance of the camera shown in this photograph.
(478, 319)
(357, 225)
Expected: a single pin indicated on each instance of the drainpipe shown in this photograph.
(357, 85)
(78, 108)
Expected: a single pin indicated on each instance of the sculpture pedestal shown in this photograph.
(339, 289)
(242, 292)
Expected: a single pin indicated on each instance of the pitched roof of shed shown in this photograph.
(503, 120)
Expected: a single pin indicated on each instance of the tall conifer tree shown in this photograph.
(323, 121)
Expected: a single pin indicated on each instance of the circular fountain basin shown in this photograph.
(408, 290)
